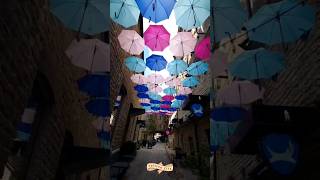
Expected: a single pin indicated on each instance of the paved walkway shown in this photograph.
(138, 168)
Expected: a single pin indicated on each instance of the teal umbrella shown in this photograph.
(191, 13)
(198, 68)
(86, 16)
(257, 64)
(170, 91)
(177, 104)
(154, 96)
(124, 12)
(190, 81)
(135, 64)
(176, 67)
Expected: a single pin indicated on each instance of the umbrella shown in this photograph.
(155, 108)
(141, 88)
(168, 98)
(155, 105)
(166, 102)
(173, 81)
(228, 18)
(240, 92)
(142, 95)
(138, 79)
(182, 44)
(218, 64)
(177, 66)
(203, 49)
(90, 54)
(164, 106)
(170, 91)
(124, 12)
(156, 37)
(155, 88)
(190, 81)
(154, 96)
(156, 10)
(177, 104)
(155, 102)
(78, 15)
(95, 85)
(184, 90)
(181, 97)
(144, 100)
(101, 124)
(131, 42)
(144, 104)
(228, 114)
(191, 13)
(135, 64)
(98, 107)
(282, 22)
(156, 62)
(155, 79)
(257, 64)
(197, 68)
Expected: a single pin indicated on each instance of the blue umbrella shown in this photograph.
(156, 10)
(176, 67)
(177, 103)
(98, 107)
(135, 64)
(154, 96)
(144, 104)
(181, 97)
(166, 102)
(191, 13)
(141, 88)
(124, 12)
(227, 18)
(257, 64)
(155, 101)
(228, 114)
(142, 95)
(282, 22)
(172, 109)
(190, 81)
(78, 15)
(198, 68)
(95, 85)
(155, 108)
(170, 91)
(156, 62)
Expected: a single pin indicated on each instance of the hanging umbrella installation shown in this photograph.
(182, 44)
(190, 82)
(138, 79)
(257, 64)
(124, 12)
(135, 64)
(173, 82)
(97, 85)
(156, 62)
(176, 67)
(131, 42)
(203, 49)
(184, 90)
(90, 54)
(141, 88)
(170, 91)
(156, 37)
(155, 79)
(156, 10)
(198, 68)
(78, 15)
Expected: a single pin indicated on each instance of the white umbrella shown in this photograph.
(182, 44)
(131, 42)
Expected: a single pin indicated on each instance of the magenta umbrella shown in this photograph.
(155, 79)
(240, 92)
(184, 90)
(165, 106)
(138, 79)
(203, 50)
(173, 81)
(168, 98)
(156, 37)
(131, 42)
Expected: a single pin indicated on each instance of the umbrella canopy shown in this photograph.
(257, 64)
(218, 64)
(154, 96)
(155, 102)
(95, 85)
(228, 17)
(173, 82)
(155, 79)
(191, 13)
(144, 100)
(170, 91)
(166, 102)
(281, 22)
(181, 97)
(138, 79)
(203, 49)
(184, 90)
(197, 68)
(168, 98)
(142, 95)
(144, 104)
(156, 37)
(177, 104)
(156, 62)
(141, 88)
(155, 88)
(177, 66)
(182, 44)
(190, 81)
(229, 114)
(164, 106)
(156, 10)
(124, 12)
(78, 15)
(98, 107)
(131, 42)
(135, 64)
(90, 54)
(155, 108)
(240, 92)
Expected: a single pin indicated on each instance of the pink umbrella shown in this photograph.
(165, 106)
(203, 49)
(168, 98)
(182, 44)
(139, 79)
(90, 54)
(156, 37)
(173, 81)
(184, 90)
(144, 100)
(155, 88)
(131, 42)
(155, 79)
(240, 92)
(218, 64)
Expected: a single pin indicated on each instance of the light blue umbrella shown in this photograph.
(135, 64)
(191, 13)
(190, 81)
(257, 64)
(170, 91)
(79, 15)
(227, 18)
(156, 10)
(124, 12)
(198, 68)
(282, 22)
(177, 104)
(154, 96)
(176, 67)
